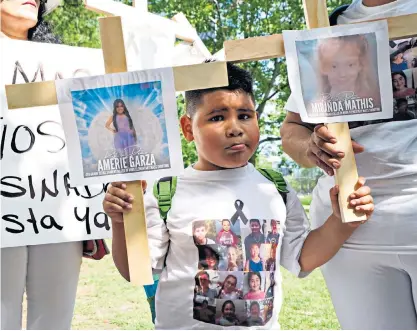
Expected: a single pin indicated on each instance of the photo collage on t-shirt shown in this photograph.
(403, 59)
(235, 282)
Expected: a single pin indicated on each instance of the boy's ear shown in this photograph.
(187, 128)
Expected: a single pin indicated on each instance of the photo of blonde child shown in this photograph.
(234, 259)
(340, 72)
(346, 68)
(254, 262)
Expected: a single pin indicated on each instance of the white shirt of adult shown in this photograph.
(389, 164)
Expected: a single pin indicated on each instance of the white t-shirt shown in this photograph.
(389, 164)
(238, 195)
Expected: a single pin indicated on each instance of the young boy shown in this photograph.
(224, 125)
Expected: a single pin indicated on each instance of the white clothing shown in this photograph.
(358, 12)
(388, 164)
(218, 195)
(372, 279)
(373, 290)
(49, 274)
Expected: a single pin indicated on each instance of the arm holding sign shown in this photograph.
(324, 242)
(116, 202)
(312, 148)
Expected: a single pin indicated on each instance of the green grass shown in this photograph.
(306, 200)
(106, 301)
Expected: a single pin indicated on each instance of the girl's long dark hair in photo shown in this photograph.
(126, 112)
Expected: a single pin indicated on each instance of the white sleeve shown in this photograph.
(158, 236)
(297, 228)
(291, 104)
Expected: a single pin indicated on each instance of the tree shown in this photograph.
(76, 25)
(217, 21)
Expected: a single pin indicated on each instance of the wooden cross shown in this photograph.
(190, 77)
(268, 47)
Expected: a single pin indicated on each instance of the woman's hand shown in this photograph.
(361, 201)
(323, 152)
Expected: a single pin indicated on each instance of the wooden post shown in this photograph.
(198, 43)
(347, 175)
(140, 269)
(270, 47)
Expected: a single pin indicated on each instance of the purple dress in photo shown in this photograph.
(124, 137)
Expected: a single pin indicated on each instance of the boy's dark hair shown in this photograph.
(254, 220)
(240, 80)
(199, 224)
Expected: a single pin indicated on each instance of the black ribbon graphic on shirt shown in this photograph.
(239, 213)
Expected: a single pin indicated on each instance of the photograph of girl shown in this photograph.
(254, 262)
(230, 313)
(121, 124)
(346, 65)
(400, 84)
(254, 285)
(254, 314)
(231, 286)
(339, 73)
(234, 259)
(121, 128)
(209, 257)
(405, 94)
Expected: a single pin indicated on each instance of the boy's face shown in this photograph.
(254, 311)
(200, 233)
(254, 226)
(225, 130)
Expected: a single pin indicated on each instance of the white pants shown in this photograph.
(373, 290)
(49, 273)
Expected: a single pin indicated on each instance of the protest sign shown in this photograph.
(40, 203)
(340, 74)
(121, 126)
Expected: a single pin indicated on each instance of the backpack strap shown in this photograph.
(163, 190)
(278, 179)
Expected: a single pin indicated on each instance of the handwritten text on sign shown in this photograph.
(39, 204)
